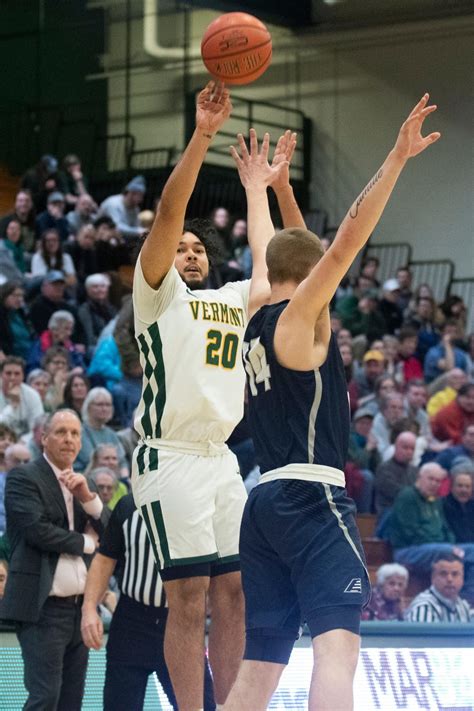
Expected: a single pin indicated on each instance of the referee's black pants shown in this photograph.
(135, 649)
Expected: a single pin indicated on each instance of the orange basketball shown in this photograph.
(236, 48)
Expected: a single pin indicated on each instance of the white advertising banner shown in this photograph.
(391, 679)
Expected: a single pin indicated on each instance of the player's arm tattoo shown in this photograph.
(354, 211)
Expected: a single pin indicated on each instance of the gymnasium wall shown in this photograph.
(357, 88)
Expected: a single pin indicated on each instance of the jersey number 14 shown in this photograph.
(256, 365)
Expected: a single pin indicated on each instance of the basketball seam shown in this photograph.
(236, 54)
(242, 76)
(234, 27)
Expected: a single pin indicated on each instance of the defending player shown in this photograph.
(301, 555)
(186, 482)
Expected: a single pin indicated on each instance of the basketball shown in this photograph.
(236, 48)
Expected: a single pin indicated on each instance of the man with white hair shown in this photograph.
(96, 312)
(418, 528)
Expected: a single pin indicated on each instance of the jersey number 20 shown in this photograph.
(222, 350)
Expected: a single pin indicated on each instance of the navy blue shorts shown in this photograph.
(302, 561)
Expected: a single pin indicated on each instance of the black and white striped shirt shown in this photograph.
(125, 541)
(430, 606)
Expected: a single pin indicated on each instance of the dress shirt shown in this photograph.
(71, 572)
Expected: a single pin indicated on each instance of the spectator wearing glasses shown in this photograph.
(106, 456)
(97, 411)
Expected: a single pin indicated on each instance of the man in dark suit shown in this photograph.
(53, 524)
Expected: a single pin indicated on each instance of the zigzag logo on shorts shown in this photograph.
(355, 586)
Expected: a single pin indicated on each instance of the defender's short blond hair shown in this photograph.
(291, 254)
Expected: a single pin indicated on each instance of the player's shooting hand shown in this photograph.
(254, 169)
(92, 629)
(284, 150)
(410, 142)
(213, 108)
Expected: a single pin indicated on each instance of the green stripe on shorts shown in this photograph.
(153, 459)
(141, 459)
(160, 525)
(151, 536)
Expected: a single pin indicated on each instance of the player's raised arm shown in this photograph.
(298, 322)
(213, 107)
(289, 209)
(256, 174)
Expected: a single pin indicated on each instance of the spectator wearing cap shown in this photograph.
(396, 473)
(51, 299)
(442, 602)
(96, 312)
(458, 505)
(124, 208)
(50, 256)
(452, 420)
(389, 307)
(386, 599)
(71, 180)
(464, 450)
(363, 385)
(53, 216)
(41, 180)
(392, 409)
(84, 213)
(445, 355)
(24, 212)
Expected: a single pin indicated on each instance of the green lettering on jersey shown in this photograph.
(224, 313)
(194, 308)
(234, 316)
(206, 316)
(215, 311)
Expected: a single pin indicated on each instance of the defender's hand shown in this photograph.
(254, 169)
(284, 151)
(410, 142)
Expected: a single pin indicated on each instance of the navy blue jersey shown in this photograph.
(296, 417)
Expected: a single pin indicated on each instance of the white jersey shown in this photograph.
(190, 351)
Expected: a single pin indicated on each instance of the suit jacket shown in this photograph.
(38, 532)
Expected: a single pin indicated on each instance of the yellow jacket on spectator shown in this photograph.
(440, 399)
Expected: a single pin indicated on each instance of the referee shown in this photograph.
(136, 635)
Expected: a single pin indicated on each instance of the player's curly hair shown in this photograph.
(291, 254)
(204, 231)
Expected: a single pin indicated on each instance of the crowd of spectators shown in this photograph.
(67, 341)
